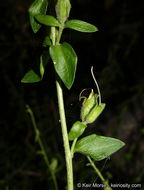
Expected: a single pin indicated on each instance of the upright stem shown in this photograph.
(68, 156)
(38, 139)
(59, 34)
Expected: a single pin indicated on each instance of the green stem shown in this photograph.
(53, 35)
(99, 174)
(73, 146)
(59, 34)
(65, 135)
(68, 157)
(38, 139)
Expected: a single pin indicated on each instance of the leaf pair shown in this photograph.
(77, 25)
(65, 62)
(37, 7)
(38, 11)
(63, 55)
(95, 146)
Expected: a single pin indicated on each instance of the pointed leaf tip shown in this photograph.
(47, 20)
(81, 26)
(31, 77)
(65, 62)
(37, 7)
(98, 147)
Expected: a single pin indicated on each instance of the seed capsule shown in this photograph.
(95, 112)
(91, 106)
(87, 105)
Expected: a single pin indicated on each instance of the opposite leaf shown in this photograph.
(47, 20)
(80, 26)
(46, 42)
(31, 77)
(98, 147)
(38, 7)
(77, 130)
(65, 62)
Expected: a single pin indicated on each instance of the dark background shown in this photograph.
(117, 53)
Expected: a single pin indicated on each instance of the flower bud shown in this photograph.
(62, 10)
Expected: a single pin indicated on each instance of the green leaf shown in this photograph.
(65, 62)
(37, 7)
(98, 147)
(47, 20)
(47, 41)
(81, 26)
(77, 130)
(30, 77)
